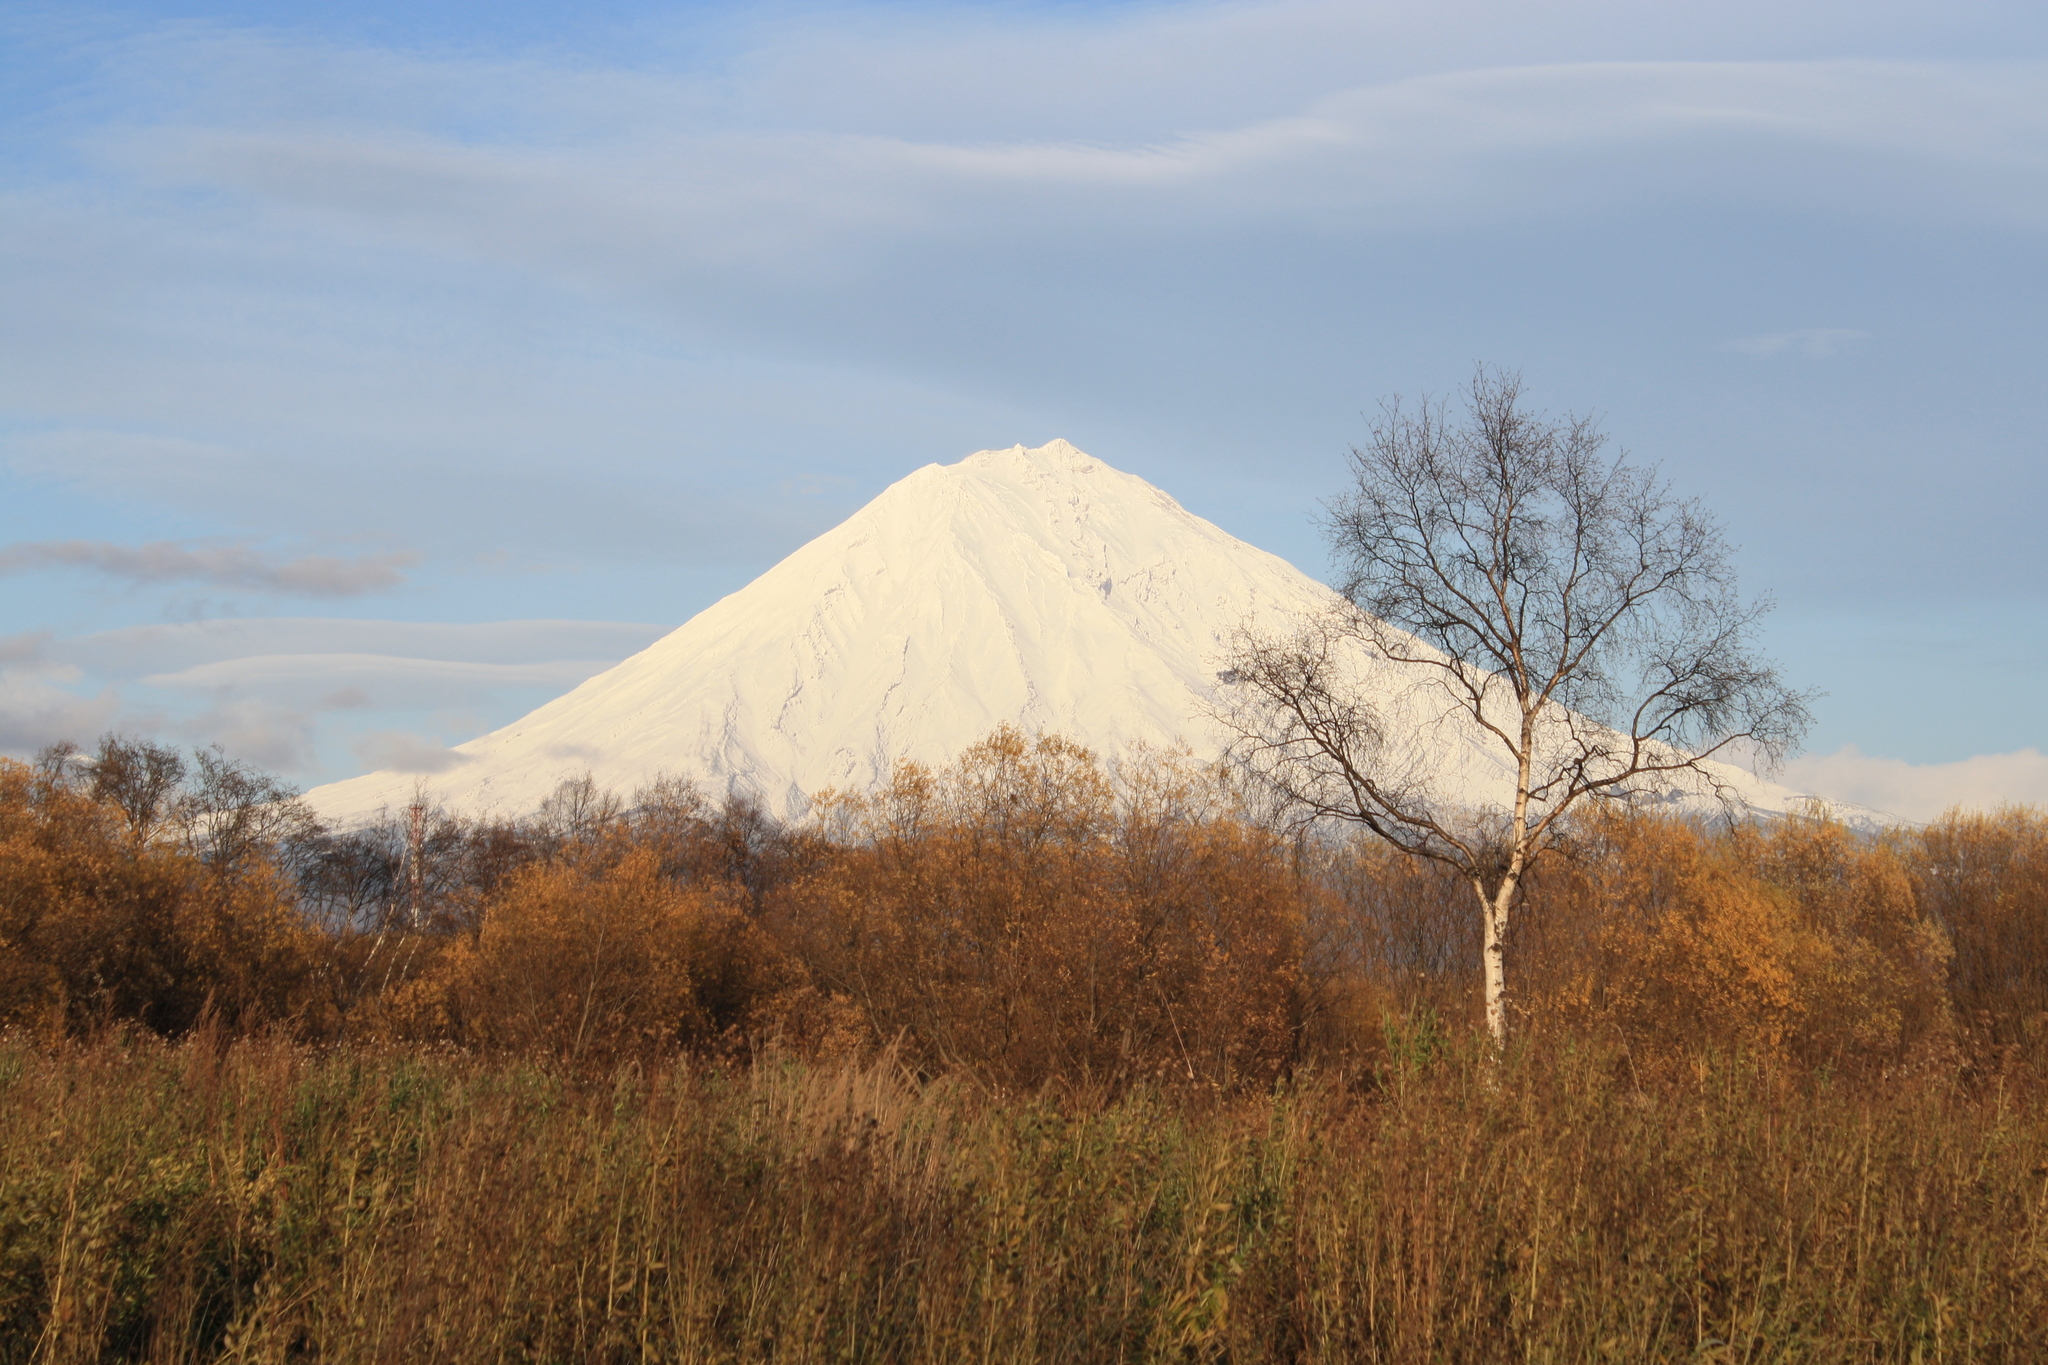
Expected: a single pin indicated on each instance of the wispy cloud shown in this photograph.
(1524, 141)
(399, 752)
(1922, 791)
(1817, 342)
(222, 566)
(277, 690)
(174, 647)
(325, 671)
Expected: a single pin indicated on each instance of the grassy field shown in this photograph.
(215, 1200)
(1019, 1061)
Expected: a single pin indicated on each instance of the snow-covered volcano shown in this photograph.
(1039, 587)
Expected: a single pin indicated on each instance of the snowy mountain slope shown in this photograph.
(1036, 586)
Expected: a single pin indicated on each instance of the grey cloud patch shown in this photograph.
(33, 711)
(276, 737)
(399, 752)
(224, 566)
(29, 646)
(1815, 342)
(33, 714)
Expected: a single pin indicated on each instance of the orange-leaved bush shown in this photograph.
(1022, 914)
(1984, 877)
(1797, 939)
(104, 920)
(592, 955)
(1654, 930)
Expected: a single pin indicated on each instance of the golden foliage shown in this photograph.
(1797, 939)
(594, 955)
(1687, 946)
(1023, 913)
(101, 920)
(1984, 878)
(1020, 913)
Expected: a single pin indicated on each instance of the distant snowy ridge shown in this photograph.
(1038, 587)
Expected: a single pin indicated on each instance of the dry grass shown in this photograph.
(1064, 1069)
(251, 1201)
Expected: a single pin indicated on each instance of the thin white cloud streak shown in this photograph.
(1135, 71)
(1994, 117)
(1127, 74)
(1922, 791)
(176, 647)
(224, 566)
(1495, 144)
(269, 688)
(327, 671)
(117, 462)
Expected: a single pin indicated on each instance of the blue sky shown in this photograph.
(500, 316)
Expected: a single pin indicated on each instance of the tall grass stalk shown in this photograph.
(255, 1201)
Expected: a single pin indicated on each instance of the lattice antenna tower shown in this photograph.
(415, 857)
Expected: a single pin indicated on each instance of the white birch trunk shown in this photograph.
(1493, 953)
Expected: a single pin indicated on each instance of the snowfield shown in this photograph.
(1035, 586)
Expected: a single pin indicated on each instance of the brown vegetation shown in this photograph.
(1024, 915)
(1021, 1059)
(103, 917)
(269, 1202)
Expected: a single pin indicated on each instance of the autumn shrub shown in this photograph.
(1025, 913)
(105, 918)
(1653, 932)
(1031, 915)
(596, 954)
(1798, 939)
(1983, 876)
(1876, 990)
(1022, 914)
(1388, 940)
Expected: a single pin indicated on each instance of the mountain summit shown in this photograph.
(1035, 586)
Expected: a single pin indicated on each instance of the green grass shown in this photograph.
(251, 1201)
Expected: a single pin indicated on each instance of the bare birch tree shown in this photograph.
(1562, 608)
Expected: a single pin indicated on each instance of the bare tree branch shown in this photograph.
(1569, 609)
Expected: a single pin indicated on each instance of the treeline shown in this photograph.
(1025, 914)
(1020, 1060)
